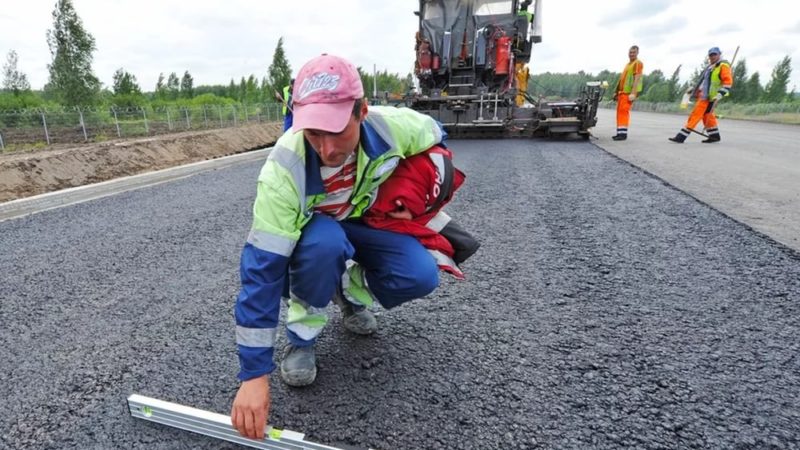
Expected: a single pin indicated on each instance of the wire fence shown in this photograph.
(40, 127)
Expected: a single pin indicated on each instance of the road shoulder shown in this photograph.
(753, 175)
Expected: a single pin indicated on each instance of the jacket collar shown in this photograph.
(372, 143)
(314, 184)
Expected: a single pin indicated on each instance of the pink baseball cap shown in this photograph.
(324, 93)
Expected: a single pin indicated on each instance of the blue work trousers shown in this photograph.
(397, 267)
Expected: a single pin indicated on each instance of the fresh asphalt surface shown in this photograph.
(605, 309)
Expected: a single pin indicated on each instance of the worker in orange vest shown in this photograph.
(715, 83)
(628, 88)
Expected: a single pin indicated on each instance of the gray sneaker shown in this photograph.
(299, 365)
(356, 319)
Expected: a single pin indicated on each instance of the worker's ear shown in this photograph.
(364, 109)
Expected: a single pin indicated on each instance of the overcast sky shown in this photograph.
(218, 40)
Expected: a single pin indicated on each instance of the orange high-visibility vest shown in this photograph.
(632, 69)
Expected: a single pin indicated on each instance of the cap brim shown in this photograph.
(330, 117)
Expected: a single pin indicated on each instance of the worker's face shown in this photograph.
(633, 53)
(713, 58)
(334, 148)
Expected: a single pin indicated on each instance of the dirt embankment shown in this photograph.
(32, 173)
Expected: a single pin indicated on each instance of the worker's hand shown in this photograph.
(615, 96)
(718, 97)
(400, 211)
(631, 96)
(251, 408)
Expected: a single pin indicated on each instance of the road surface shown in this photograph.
(605, 309)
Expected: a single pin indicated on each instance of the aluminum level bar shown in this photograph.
(214, 425)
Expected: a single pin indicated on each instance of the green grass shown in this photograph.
(785, 118)
(11, 148)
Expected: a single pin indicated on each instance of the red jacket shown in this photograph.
(423, 183)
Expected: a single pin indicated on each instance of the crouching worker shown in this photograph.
(307, 242)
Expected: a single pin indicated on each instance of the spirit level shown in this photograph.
(214, 425)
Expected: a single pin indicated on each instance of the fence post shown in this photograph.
(246, 116)
(83, 125)
(219, 108)
(2, 145)
(46, 133)
(235, 122)
(205, 115)
(116, 121)
(144, 115)
(186, 113)
(169, 121)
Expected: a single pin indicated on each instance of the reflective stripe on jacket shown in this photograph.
(289, 186)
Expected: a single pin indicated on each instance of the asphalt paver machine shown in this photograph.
(472, 67)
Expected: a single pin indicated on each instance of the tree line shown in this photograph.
(72, 82)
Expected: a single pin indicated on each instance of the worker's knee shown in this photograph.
(417, 281)
(427, 279)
